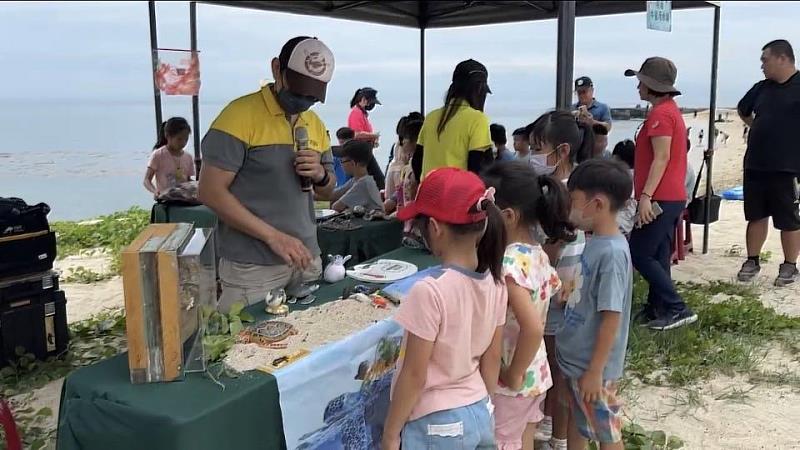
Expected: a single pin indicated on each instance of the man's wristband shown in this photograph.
(645, 194)
(324, 181)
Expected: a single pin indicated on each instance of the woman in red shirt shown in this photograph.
(364, 101)
(659, 176)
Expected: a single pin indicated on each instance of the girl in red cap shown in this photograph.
(453, 319)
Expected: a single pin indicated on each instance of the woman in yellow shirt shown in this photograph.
(457, 135)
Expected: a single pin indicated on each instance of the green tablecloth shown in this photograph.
(101, 410)
(371, 240)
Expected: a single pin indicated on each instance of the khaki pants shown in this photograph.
(250, 283)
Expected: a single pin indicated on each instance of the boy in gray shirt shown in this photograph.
(591, 344)
(361, 189)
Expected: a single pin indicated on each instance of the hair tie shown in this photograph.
(545, 189)
(488, 195)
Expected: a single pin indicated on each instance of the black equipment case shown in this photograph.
(26, 243)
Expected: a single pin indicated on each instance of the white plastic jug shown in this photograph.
(335, 271)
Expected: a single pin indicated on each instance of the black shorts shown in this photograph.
(772, 194)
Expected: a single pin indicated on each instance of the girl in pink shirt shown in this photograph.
(453, 319)
(168, 163)
(526, 201)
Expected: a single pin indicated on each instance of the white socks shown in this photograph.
(544, 429)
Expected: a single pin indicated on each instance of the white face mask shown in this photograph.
(540, 166)
(576, 218)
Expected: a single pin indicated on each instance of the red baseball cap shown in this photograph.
(448, 195)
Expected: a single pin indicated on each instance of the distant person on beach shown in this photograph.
(252, 174)
(659, 178)
(364, 101)
(457, 134)
(772, 161)
(700, 135)
(498, 133)
(588, 109)
(522, 145)
(169, 164)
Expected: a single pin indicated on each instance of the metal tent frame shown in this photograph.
(426, 14)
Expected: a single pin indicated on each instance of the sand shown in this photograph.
(315, 327)
(767, 418)
(85, 300)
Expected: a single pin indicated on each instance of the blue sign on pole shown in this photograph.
(659, 16)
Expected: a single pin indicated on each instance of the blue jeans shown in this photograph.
(651, 254)
(467, 427)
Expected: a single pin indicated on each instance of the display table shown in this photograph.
(100, 409)
(372, 239)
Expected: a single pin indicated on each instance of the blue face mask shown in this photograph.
(293, 103)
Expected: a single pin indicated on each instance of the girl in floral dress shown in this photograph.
(525, 200)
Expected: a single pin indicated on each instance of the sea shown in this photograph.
(88, 158)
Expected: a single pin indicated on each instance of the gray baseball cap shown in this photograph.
(658, 74)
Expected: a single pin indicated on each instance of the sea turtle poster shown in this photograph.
(338, 397)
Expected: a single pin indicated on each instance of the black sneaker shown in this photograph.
(676, 320)
(748, 271)
(787, 274)
(644, 316)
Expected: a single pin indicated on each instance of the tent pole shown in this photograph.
(712, 112)
(565, 53)
(154, 59)
(195, 98)
(422, 70)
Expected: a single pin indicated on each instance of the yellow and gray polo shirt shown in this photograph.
(253, 138)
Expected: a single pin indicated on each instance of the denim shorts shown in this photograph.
(467, 427)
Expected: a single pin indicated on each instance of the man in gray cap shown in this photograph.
(259, 183)
(659, 177)
(588, 109)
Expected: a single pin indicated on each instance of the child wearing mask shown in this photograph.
(559, 143)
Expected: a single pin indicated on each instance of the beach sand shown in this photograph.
(766, 419)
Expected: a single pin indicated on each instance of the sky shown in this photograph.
(69, 54)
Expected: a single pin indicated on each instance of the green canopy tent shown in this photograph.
(426, 14)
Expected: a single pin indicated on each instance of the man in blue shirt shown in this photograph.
(588, 109)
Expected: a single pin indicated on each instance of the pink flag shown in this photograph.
(178, 72)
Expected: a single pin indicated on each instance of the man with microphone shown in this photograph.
(261, 157)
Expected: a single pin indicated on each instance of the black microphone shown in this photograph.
(301, 143)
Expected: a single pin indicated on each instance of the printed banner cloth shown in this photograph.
(338, 397)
